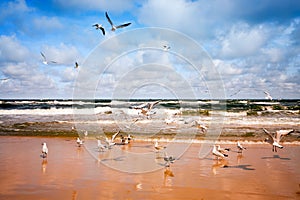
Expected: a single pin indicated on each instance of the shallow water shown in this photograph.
(71, 172)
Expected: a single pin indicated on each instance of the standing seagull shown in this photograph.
(113, 27)
(45, 60)
(274, 141)
(268, 96)
(158, 147)
(99, 26)
(101, 147)
(79, 142)
(44, 150)
(217, 153)
(240, 147)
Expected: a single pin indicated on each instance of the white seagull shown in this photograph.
(101, 147)
(158, 147)
(146, 108)
(44, 150)
(268, 96)
(79, 142)
(99, 26)
(217, 153)
(168, 159)
(166, 47)
(274, 140)
(240, 147)
(45, 60)
(111, 142)
(113, 27)
(222, 150)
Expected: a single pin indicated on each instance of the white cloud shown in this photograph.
(11, 50)
(12, 8)
(103, 5)
(47, 24)
(243, 40)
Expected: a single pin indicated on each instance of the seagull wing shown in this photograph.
(103, 31)
(123, 25)
(107, 17)
(44, 57)
(153, 104)
(115, 135)
(281, 133)
(267, 132)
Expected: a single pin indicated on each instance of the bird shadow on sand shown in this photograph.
(243, 167)
(120, 158)
(275, 157)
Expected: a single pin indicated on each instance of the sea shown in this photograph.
(231, 117)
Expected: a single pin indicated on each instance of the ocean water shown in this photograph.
(230, 117)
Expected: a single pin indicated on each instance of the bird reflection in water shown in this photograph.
(239, 158)
(219, 164)
(44, 165)
(168, 174)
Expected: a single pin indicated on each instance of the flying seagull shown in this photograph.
(113, 27)
(99, 26)
(44, 150)
(76, 65)
(46, 62)
(275, 139)
(166, 47)
(268, 96)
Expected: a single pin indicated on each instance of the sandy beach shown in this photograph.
(71, 172)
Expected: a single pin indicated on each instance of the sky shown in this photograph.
(218, 49)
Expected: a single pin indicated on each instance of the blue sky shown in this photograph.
(254, 45)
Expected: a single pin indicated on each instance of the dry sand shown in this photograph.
(71, 172)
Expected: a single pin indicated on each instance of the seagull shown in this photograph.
(158, 147)
(76, 65)
(99, 26)
(44, 150)
(199, 126)
(101, 147)
(217, 153)
(79, 142)
(111, 142)
(235, 93)
(168, 159)
(268, 96)
(113, 27)
(166, 47)
(146, 108)
(45, 60)
(240, 147)
(274, 141)
(222, 150)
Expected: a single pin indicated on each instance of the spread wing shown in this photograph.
(44, 57)
(103, 31)
(267, 132)
(123, 25)
(107, 17)
(153, 104)
(115, 135)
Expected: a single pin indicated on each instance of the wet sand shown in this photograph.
(71, 172)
